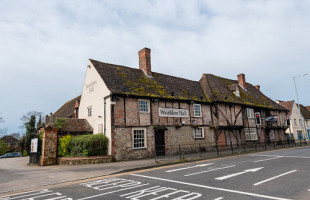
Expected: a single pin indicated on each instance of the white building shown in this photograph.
(297, 121)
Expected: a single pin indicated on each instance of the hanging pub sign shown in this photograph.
(172, 112)
(34, 145)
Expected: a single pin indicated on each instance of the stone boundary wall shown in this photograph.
(84, 160)
(49, 147)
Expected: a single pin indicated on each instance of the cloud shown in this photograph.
(45, 45)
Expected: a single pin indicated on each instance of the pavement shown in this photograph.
(278, 175)
(16, 174)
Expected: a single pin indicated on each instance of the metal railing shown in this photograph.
(199, 151)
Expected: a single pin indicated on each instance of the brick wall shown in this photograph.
(49, 147)
(126, 114)
(173, 138)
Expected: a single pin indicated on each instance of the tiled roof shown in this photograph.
(288, 105)
(76, 125)
(221, 89)
(304, 112)
(9, 139)
(131, 81)
(67, 109)
(308, 107)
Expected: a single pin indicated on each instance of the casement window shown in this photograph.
(197, 110)
(139, 138)
(300, 122)
(271, 134)
(144, 106)
(295, 122)
(250, 133)
(89, 111)
(248, 113)
(198, 133)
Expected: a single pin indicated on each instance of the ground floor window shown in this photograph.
(139, 138)
(250, 133)
(198, 133)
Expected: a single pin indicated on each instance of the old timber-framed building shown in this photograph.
(144, 113)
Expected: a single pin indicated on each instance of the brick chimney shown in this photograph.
(257, 87)
(241, 81)
(145, 61)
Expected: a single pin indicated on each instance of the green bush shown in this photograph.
(63, 145)
(89, 145)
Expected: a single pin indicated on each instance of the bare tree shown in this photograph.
(26, 117)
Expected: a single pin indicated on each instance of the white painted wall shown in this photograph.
(298, 127)
(93, 93)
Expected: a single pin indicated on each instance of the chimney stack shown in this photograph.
(241, 81)
(257, 87)
(145, 61)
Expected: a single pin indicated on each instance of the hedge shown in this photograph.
(84, 145)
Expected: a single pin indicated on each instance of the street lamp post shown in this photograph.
(303, 127)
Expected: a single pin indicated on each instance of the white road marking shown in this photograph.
(179, 169)
(267, 159)
(239, 173)
(281, 156)
(37, 194)
(262, 155)
(258, 183)
(212, 188)
(102, 194)
(210, 170)
(220, 198)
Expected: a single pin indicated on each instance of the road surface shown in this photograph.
(276, 175)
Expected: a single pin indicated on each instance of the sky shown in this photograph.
(45, 45)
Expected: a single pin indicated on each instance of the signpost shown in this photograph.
(34, 145)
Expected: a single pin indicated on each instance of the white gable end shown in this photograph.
(95, 104)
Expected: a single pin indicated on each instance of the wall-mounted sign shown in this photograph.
(172, 112)
(34, 145)
(91, 86)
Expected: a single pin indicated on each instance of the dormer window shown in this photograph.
(237, 93)
(234, 88)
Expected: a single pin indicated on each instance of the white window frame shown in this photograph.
(195, 133)
(250, 134)
(144, 138)
(271, 134)
(199, 105)
(147, 106)
(89, 111)
(250, 113)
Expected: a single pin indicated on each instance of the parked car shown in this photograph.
(10, 155)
